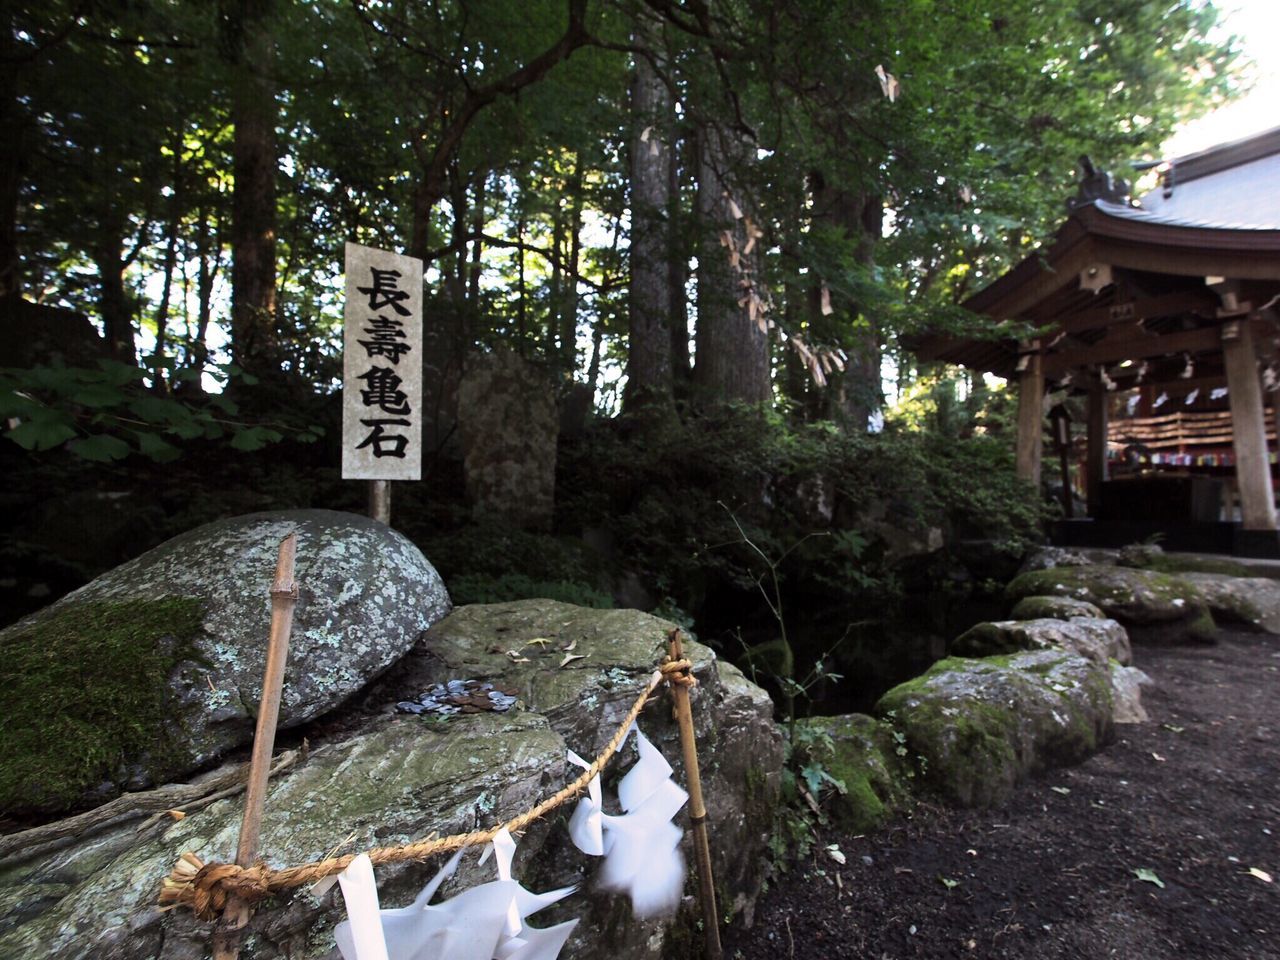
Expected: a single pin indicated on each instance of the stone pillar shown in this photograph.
(1030, 416)
(1096, 457)
(1248, 426)
(509, 425)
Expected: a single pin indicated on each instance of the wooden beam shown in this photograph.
(1030, 419)
(1096, 457)
(1248, 421)
(1169, 304)
(1140, 347)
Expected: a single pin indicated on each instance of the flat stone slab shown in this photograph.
(1054, 608)
(1098, 638)
(1253, 601)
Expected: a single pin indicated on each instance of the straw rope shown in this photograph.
(206, 887)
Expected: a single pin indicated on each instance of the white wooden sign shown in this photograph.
(382, 366)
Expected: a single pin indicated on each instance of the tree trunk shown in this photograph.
(678, 272)
(158, 382)
(113, 299)
(733, 361)
(649, 352)
(13, 123)
(254, 343)
(569, 299)
(857, 393)
(477, 245)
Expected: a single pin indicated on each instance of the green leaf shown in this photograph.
(100, 448)
(1147, 875)
(949, 883)
(155, 447)
(98, 395)
(255, 438)
(42, 432)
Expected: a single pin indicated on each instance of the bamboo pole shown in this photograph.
(697, 812)
(284, 597)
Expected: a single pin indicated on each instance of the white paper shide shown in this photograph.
(486, 922)
(641, 847)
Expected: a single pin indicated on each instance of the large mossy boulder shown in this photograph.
(396, 778)
(1252, 601)
(169, 651)
(617, 650)
(1137, 598)
(978, 727)
(868, 777)
(1097, 638)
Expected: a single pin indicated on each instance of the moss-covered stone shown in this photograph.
(1097, 638)
(1132, 596)
(1251, 601)
(860, 752)
(87, 702)
(979, 727)
(1053, 608)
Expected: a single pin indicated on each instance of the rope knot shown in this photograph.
(679, 672)
(208, 887)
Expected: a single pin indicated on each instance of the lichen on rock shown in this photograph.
(366, 595)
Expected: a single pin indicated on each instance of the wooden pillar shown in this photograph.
(1030, 415)
(1096, 456)
(1248, 427)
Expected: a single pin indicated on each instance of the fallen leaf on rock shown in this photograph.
(570, 657)
(1260, 874)
(1147, 875)
(570, 645)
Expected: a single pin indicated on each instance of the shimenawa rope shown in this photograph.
(206, 887)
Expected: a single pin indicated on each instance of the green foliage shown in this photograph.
(85, 695)
(483, 588)
(493, 562)
(105, 413)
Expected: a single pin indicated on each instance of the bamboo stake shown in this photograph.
(284, 597)
(697, 812)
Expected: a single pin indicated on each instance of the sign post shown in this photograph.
(382, 372)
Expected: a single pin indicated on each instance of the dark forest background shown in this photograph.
(712, 226)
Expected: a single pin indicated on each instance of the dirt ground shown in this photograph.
(1191, 797)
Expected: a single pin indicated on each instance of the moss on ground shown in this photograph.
(86, 695)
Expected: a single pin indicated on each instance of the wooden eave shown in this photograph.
(1046, 283)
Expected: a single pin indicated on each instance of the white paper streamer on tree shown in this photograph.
(482, 923)
(642, 847)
